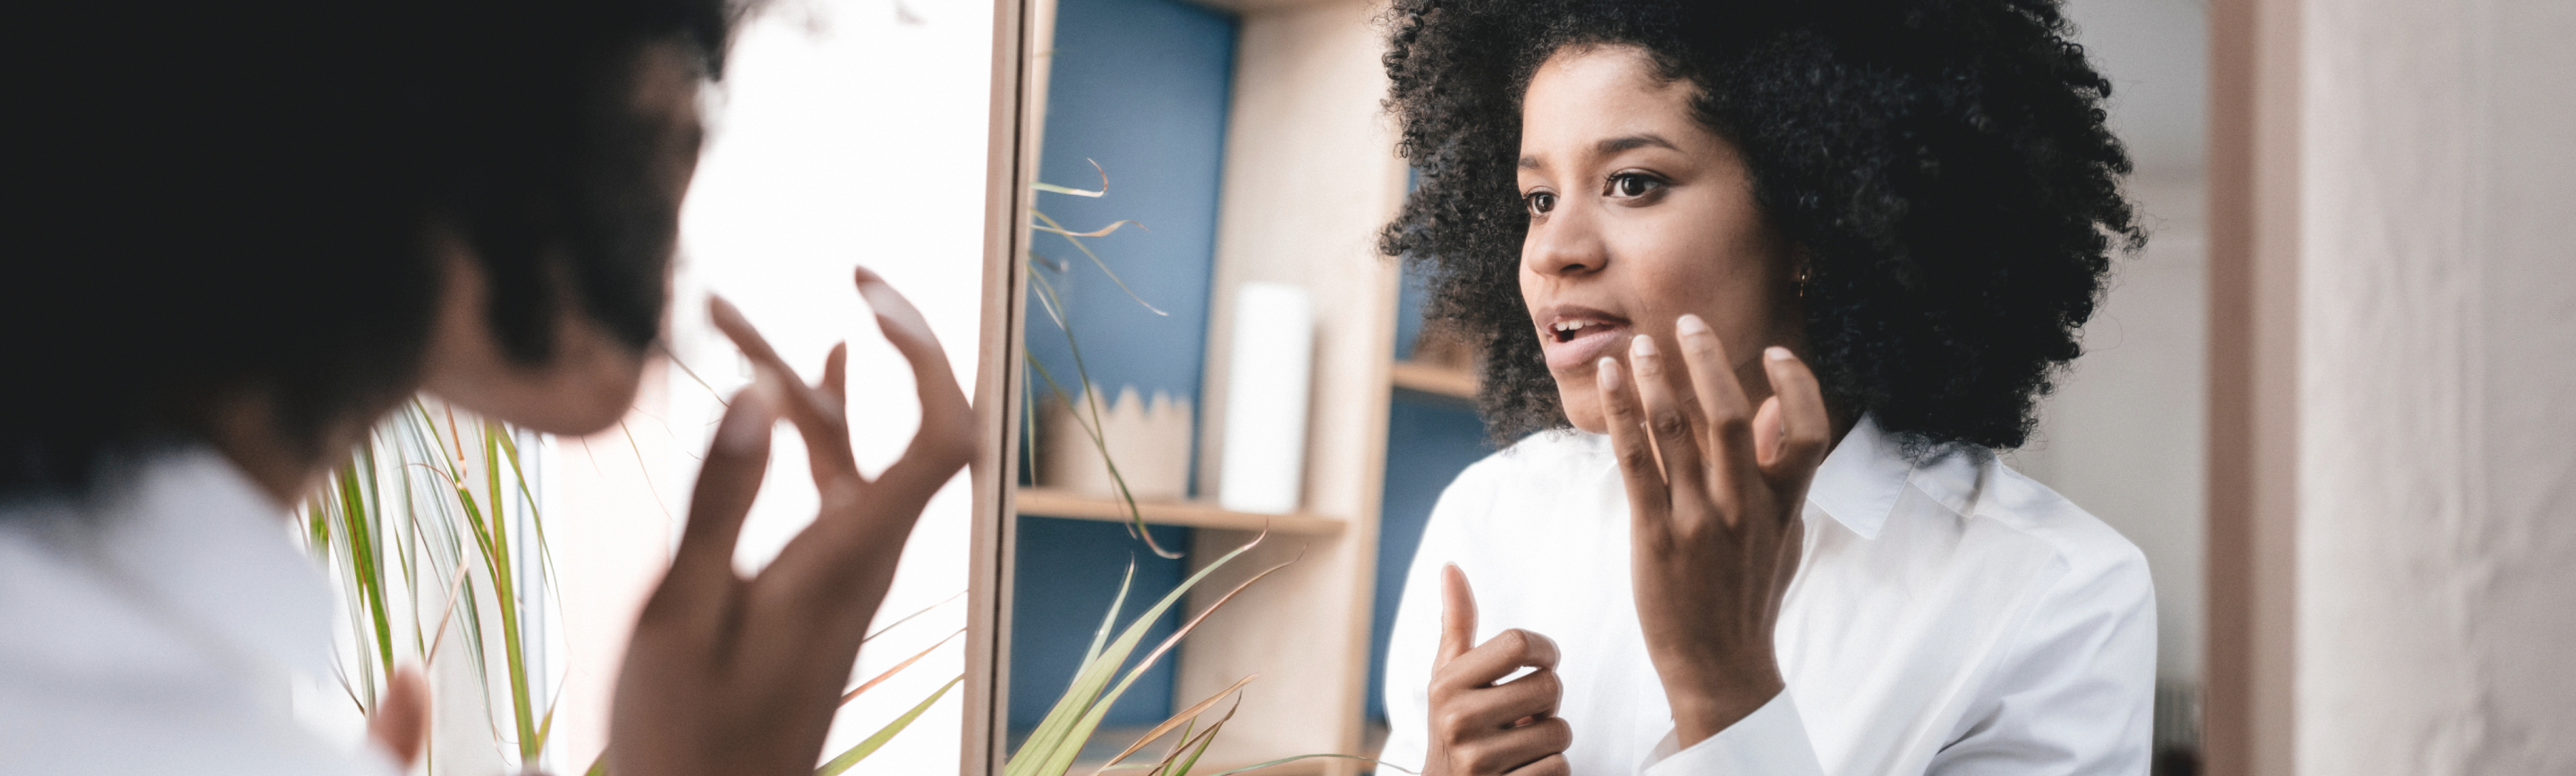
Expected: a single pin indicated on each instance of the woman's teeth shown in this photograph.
(1566, 331)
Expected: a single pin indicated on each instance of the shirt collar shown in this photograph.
(210, 550)
(1860, 481)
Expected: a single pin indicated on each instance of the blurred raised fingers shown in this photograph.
(727, 483)
(817, 417)
(946, 438)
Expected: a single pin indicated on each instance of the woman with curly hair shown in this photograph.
(1772, 282)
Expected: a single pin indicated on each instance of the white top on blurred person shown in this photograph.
(162, 609)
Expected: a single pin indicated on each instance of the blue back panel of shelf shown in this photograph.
(1067, 576)
(1142, 87)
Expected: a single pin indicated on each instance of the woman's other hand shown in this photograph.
(1479, 728)
(732, 675)
(1715, 488)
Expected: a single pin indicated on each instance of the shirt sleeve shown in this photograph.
(1772, 741)
(2076, 694)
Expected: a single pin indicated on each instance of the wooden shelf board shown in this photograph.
(1044, 502)
(1434, 379)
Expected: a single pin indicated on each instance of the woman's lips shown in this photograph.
(1581, 347)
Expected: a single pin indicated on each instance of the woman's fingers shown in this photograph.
(1513, 751)
(1457, 616)
(1802, 427)
(819, 420)
(1498, 657)
(1722, 402)
(1551, 765)
(1669, 422)
(1649, 502)
(946, 438)
(736, 461)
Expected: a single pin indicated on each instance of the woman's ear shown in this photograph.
(586, 382)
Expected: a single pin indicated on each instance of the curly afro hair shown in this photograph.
(1941, 167)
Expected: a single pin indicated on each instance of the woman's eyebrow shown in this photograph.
(1632, 142)
(1615, 145)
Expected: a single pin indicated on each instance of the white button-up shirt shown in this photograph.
(1951, 617)
(157, 626)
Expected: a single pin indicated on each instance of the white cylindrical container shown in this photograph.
(1273, 365)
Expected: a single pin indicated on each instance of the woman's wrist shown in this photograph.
(1706, 708)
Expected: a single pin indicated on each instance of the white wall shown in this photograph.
(2437, 520)
(845, 132)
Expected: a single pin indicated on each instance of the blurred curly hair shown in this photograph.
(1941, 166)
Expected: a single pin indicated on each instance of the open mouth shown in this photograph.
(1569, 331)
(1575, 337)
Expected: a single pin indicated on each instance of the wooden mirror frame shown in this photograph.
(1006, 202)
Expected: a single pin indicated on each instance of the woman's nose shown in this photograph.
(1566, 244)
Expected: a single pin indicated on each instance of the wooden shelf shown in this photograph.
(1434, 379)
(1043, 502)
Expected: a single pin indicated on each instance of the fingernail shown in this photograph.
(1641, 346)
(1609, 373)
(1777, 353)
(1690, 325)
(891, 308)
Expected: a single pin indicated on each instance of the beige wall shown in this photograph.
(2437, 479)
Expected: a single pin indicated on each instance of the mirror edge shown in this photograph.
(1009, 144)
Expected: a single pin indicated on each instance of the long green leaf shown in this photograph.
(879, 739)
(1100, 638)
(1176, 720)
(1203, 741)
(1063, 758)
(1053, 740)
(889, 673)
(505, 588)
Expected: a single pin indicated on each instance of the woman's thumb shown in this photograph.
(1457, 615)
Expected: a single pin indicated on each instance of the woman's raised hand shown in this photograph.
(1715, 488)
(1478, 727)
(741, 676)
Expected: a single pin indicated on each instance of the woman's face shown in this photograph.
(1638, 215)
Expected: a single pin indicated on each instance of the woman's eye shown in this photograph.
(1633, 185)
(1540, 202)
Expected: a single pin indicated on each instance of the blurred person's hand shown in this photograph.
(1715, 490)
(400, 723)
(742, 676)
(1478, 727)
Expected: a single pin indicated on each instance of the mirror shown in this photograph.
(1210, 356)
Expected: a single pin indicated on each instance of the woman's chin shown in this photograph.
(1582, 403)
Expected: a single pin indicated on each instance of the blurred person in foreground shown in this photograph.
(248, 231)
(1766, 285)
